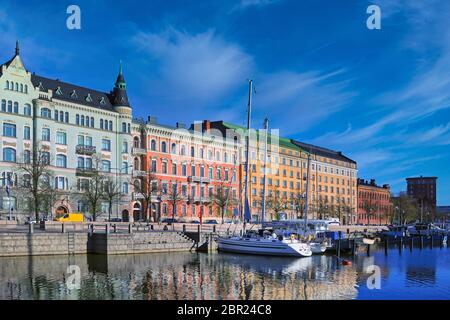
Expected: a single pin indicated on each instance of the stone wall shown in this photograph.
(21, 244)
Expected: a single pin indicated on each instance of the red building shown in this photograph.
(374, 203)
(197, 165)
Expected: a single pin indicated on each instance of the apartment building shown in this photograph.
(73, 125)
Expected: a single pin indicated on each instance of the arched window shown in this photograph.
(153, 145)
(136, 164)
(11, 85)
(129, 128)
(173, 149)
(124, 147)
(124, 127)
(225, 157)
(82, 120)
(27, 109)
(46, 113)
(217, 156)
(61, 161)
(183, 150)
(163, 146)
(137, 184)
(125, 188)
(110, 126)
(10, 106)
(3, 105)
(136, 143)
(210, 155)
(9, 155)
(27, 156)
(7, 84)
(21, 87)
(92, 122)
(88, 122)
(17, 86)
(66, 117)
(16, 107)
(101, 123)
(26, 88)
(192, 152)
(80, 162)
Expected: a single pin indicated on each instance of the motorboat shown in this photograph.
(424, 229)
(318, 247)
(395, 232)
(270, 245)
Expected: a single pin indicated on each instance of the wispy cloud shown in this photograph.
(201, 68)
(245, 4)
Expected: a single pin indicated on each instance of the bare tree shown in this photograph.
(35, 166)
(174, 197)
(112, 192)
(370, 208)
(147, 189)
(93, 188)
(277, 204)
(223, 198)
(299, 205)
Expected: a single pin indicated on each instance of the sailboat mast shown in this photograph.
(247, 215)
(266, 130)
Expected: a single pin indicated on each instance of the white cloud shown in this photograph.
(199, 67)
(244, 4)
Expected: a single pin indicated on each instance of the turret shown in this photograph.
(119, 97)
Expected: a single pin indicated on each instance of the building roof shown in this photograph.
(419, 178)
(72, 93)
(283, 142)
(323, 152)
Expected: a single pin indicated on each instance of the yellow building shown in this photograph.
(333, 176)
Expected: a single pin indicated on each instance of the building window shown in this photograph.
(61, 161)
(124, 127)
(46, 113)
(106, 145)
(16, 107)
(124, 147)
(82, 120)
(129, 128)
(125, 167)
(174, 148)
(61, 183)
(27, 110)
(110, 125)
(27, 156)
(10, 106)
(45, 156)
(153, 145)
(3, 105)
(101, 124)
(9, 130)
(61, 138)
(106, 166)
(192, 152)
(45, 134)
(9, 155)
(125, 188)
(163, 146)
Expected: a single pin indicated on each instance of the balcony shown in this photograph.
(139, 151)
(137, 196)
(86, 150)
(197, 179)
(191, 199)
(85, 172)
(139, 173)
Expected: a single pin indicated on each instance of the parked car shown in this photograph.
(211, 222)
(194, 222)
(71, 217)
(30, 220)
(115, 220)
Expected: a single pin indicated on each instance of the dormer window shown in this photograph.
(41, 87)
(58, 91)
(73, 95)
(102, 100)
(89, 98)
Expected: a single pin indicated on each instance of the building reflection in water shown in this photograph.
(178, 276)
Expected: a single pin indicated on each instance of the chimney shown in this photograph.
(152, 120)
(372, 182)
(206, 125)
(181, 125)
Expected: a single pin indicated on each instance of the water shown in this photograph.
(420, 274)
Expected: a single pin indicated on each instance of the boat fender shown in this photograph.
(292, 237)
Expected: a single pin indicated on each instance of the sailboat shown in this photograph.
(264, 242)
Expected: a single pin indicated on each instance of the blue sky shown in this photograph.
(380, 96)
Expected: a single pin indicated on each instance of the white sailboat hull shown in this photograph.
(264, 247)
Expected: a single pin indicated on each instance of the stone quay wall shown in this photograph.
(35, 244)
(22, 244)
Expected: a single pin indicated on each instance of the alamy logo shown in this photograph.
(374, 20)
(74, 279)
(73, 22)
(374, 280)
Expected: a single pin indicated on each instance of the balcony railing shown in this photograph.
(137, 196)
(87, 150)
(139, 173)
(198, 179)
(139, 151)
(85, 172)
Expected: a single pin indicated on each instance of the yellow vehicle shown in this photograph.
(71, 217)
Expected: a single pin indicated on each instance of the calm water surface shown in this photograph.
(420, 274)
